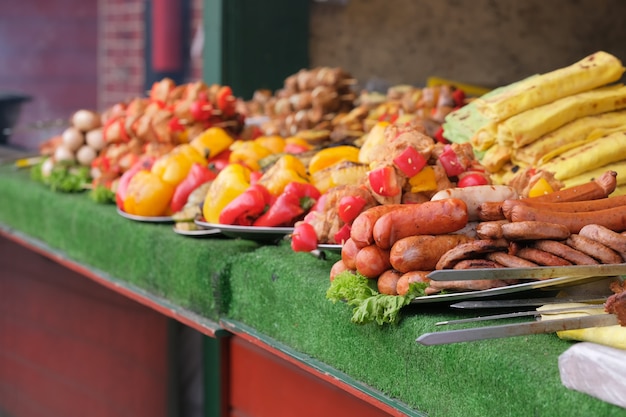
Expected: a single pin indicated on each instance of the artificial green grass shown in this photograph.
(281, 294)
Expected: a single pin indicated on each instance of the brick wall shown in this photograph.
(122, 42)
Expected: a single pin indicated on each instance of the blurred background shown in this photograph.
(57, 56)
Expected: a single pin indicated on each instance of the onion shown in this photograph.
(86, 155)
(95, 139)
(73, 138)
(62, 153)
(85, 120)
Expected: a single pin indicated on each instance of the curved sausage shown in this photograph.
(409, 278)
(371, 261)
(510, 261)
(612, 218)
(564, 251)
(349, 250)
(541, 257)
(388, 282)
(572, 207)
(601, 187)
(470, 250)
(594, 249)
(429, 218)
(532, 230)
(363, 225)
(415, 253)
(490, 229)
(607, 237)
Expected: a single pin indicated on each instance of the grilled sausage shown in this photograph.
(371, 261)
(362, 228)
(415, 253)
(597, 250)
(532, 230)
(607, 237)
(429, 218)
(470, 250)
(564, 251)
(388, 282)
(612, 218)
(541, 257)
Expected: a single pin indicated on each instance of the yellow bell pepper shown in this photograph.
(148, 195)
(287, 169)
(425, 180)
(249, 153)
(276, 144)
(212, 141)
(330, 156)
(174, 166)
(231, 181)
(541, 187)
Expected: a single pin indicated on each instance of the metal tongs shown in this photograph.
(540, 272)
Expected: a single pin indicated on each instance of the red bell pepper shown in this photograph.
(198, 175)
(246, 207)
(304, 238)
(350, 207)
(342, 234)
(410, 161)
(383, 181)
(144, 163)
(295, 200)
(450, 162)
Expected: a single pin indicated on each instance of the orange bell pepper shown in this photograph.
(330, 156)
(248, 153)
(148, 195)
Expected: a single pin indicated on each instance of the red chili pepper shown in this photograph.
(410, 161)
(450, 162)
(350, 207)
(225, 101)
(198, 175)
(246, 207)
(304, 238)
(383, 181)
(122, 185)
(296, 199)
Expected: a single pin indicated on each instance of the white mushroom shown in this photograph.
(73, 138)
(62, 153)
(86, 155)
(85, 120)
(46, 167)
(95, 139)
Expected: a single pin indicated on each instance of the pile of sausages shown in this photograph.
(400, 244)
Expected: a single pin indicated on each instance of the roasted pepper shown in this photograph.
(244, 209)
(425, 180)
(330, 156)
(233, 180)
(174, 166)
(198, 175)
(287, 169)
(276, 144)
(148, 195)
(248, 153)
(144, 163)
(212, 142)
(296, 199)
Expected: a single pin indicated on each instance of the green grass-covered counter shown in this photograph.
(281, 295)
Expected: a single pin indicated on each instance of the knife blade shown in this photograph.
(525, 302)
(540, 272)
(517, 329)
(521, 314)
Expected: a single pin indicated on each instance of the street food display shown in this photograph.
(401, 185)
